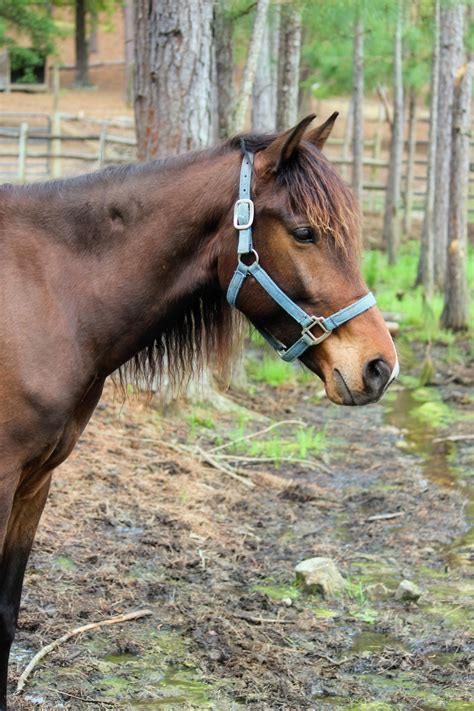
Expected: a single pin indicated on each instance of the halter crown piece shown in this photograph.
(244, 213)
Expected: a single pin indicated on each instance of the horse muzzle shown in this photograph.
(377, 376)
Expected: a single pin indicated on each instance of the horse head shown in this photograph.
(296, 271)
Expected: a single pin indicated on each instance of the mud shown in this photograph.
(135, 522)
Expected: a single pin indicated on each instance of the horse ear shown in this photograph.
(320, 134)
(282, 148)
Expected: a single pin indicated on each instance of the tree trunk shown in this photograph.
(93, 43)
(455, 310)
(289, 66)
(449, 61)
(129, 50)
(264, 101)
(391, 226)
(224, 68)
(82, 49)
(409, 181)
(425, 275)
(358, 108)
(173, 76)
(248, 77)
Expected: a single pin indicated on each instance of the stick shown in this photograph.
(276, 460)
(386, 516)
(73, 633)
(223, 468)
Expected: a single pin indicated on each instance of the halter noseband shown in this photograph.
(244, 212)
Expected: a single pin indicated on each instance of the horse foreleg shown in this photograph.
(23, 522)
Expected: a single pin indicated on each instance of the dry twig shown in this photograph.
(385, 516)
(73, 633)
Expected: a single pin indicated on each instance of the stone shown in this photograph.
(320, 575)
(407, 591)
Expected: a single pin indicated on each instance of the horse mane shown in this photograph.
(208, 331)
(205, 336)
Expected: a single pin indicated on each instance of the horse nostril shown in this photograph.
(376, 375)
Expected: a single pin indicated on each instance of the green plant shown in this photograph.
(270, 370)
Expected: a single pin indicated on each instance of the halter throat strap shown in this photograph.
(244, 215)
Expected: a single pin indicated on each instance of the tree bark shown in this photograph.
(250, 68)
(81, 45)
(289, 66)
(425, 275)
(455, 312)
(449, 61)
(173, 76)
(358, 108)
(224, 68)
(129, 49)
(391, 227)
(409, 180)
(264, 98)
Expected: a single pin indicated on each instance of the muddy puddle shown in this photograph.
(420, 416)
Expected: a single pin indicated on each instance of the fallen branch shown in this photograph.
(74, 633)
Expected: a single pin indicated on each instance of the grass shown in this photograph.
(302, 443)
(273, 371)
(394, 288)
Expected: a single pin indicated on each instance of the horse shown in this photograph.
(140, 267)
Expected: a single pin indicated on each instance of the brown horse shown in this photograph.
(132, 265)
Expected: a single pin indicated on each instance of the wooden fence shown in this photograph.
(42, 146)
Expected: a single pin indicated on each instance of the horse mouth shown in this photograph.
(350, 398)
(343, 389)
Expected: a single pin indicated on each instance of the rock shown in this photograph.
(407, 591)
(320, 575)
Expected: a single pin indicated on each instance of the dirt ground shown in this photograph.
(136, 521)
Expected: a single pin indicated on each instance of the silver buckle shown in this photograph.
(249, 223)
(316, 321)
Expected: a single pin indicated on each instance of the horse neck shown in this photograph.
(160, 255)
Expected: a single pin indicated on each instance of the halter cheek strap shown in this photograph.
(244, 213)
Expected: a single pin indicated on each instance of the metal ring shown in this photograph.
(256, 257)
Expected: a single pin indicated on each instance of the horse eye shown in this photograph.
(304, 234)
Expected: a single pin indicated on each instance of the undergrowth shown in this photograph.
(393, 285)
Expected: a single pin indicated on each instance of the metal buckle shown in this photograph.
(316, 321)
(249, 223)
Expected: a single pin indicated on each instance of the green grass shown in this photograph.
(394, 288)
(302, 443)
(271, 370)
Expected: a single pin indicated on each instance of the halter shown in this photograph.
(244, 213)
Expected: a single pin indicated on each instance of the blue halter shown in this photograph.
(244, 213)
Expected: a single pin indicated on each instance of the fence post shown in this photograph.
(56, 144)
(22, 152)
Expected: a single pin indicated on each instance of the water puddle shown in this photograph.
(419, 414)
(373, 642)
